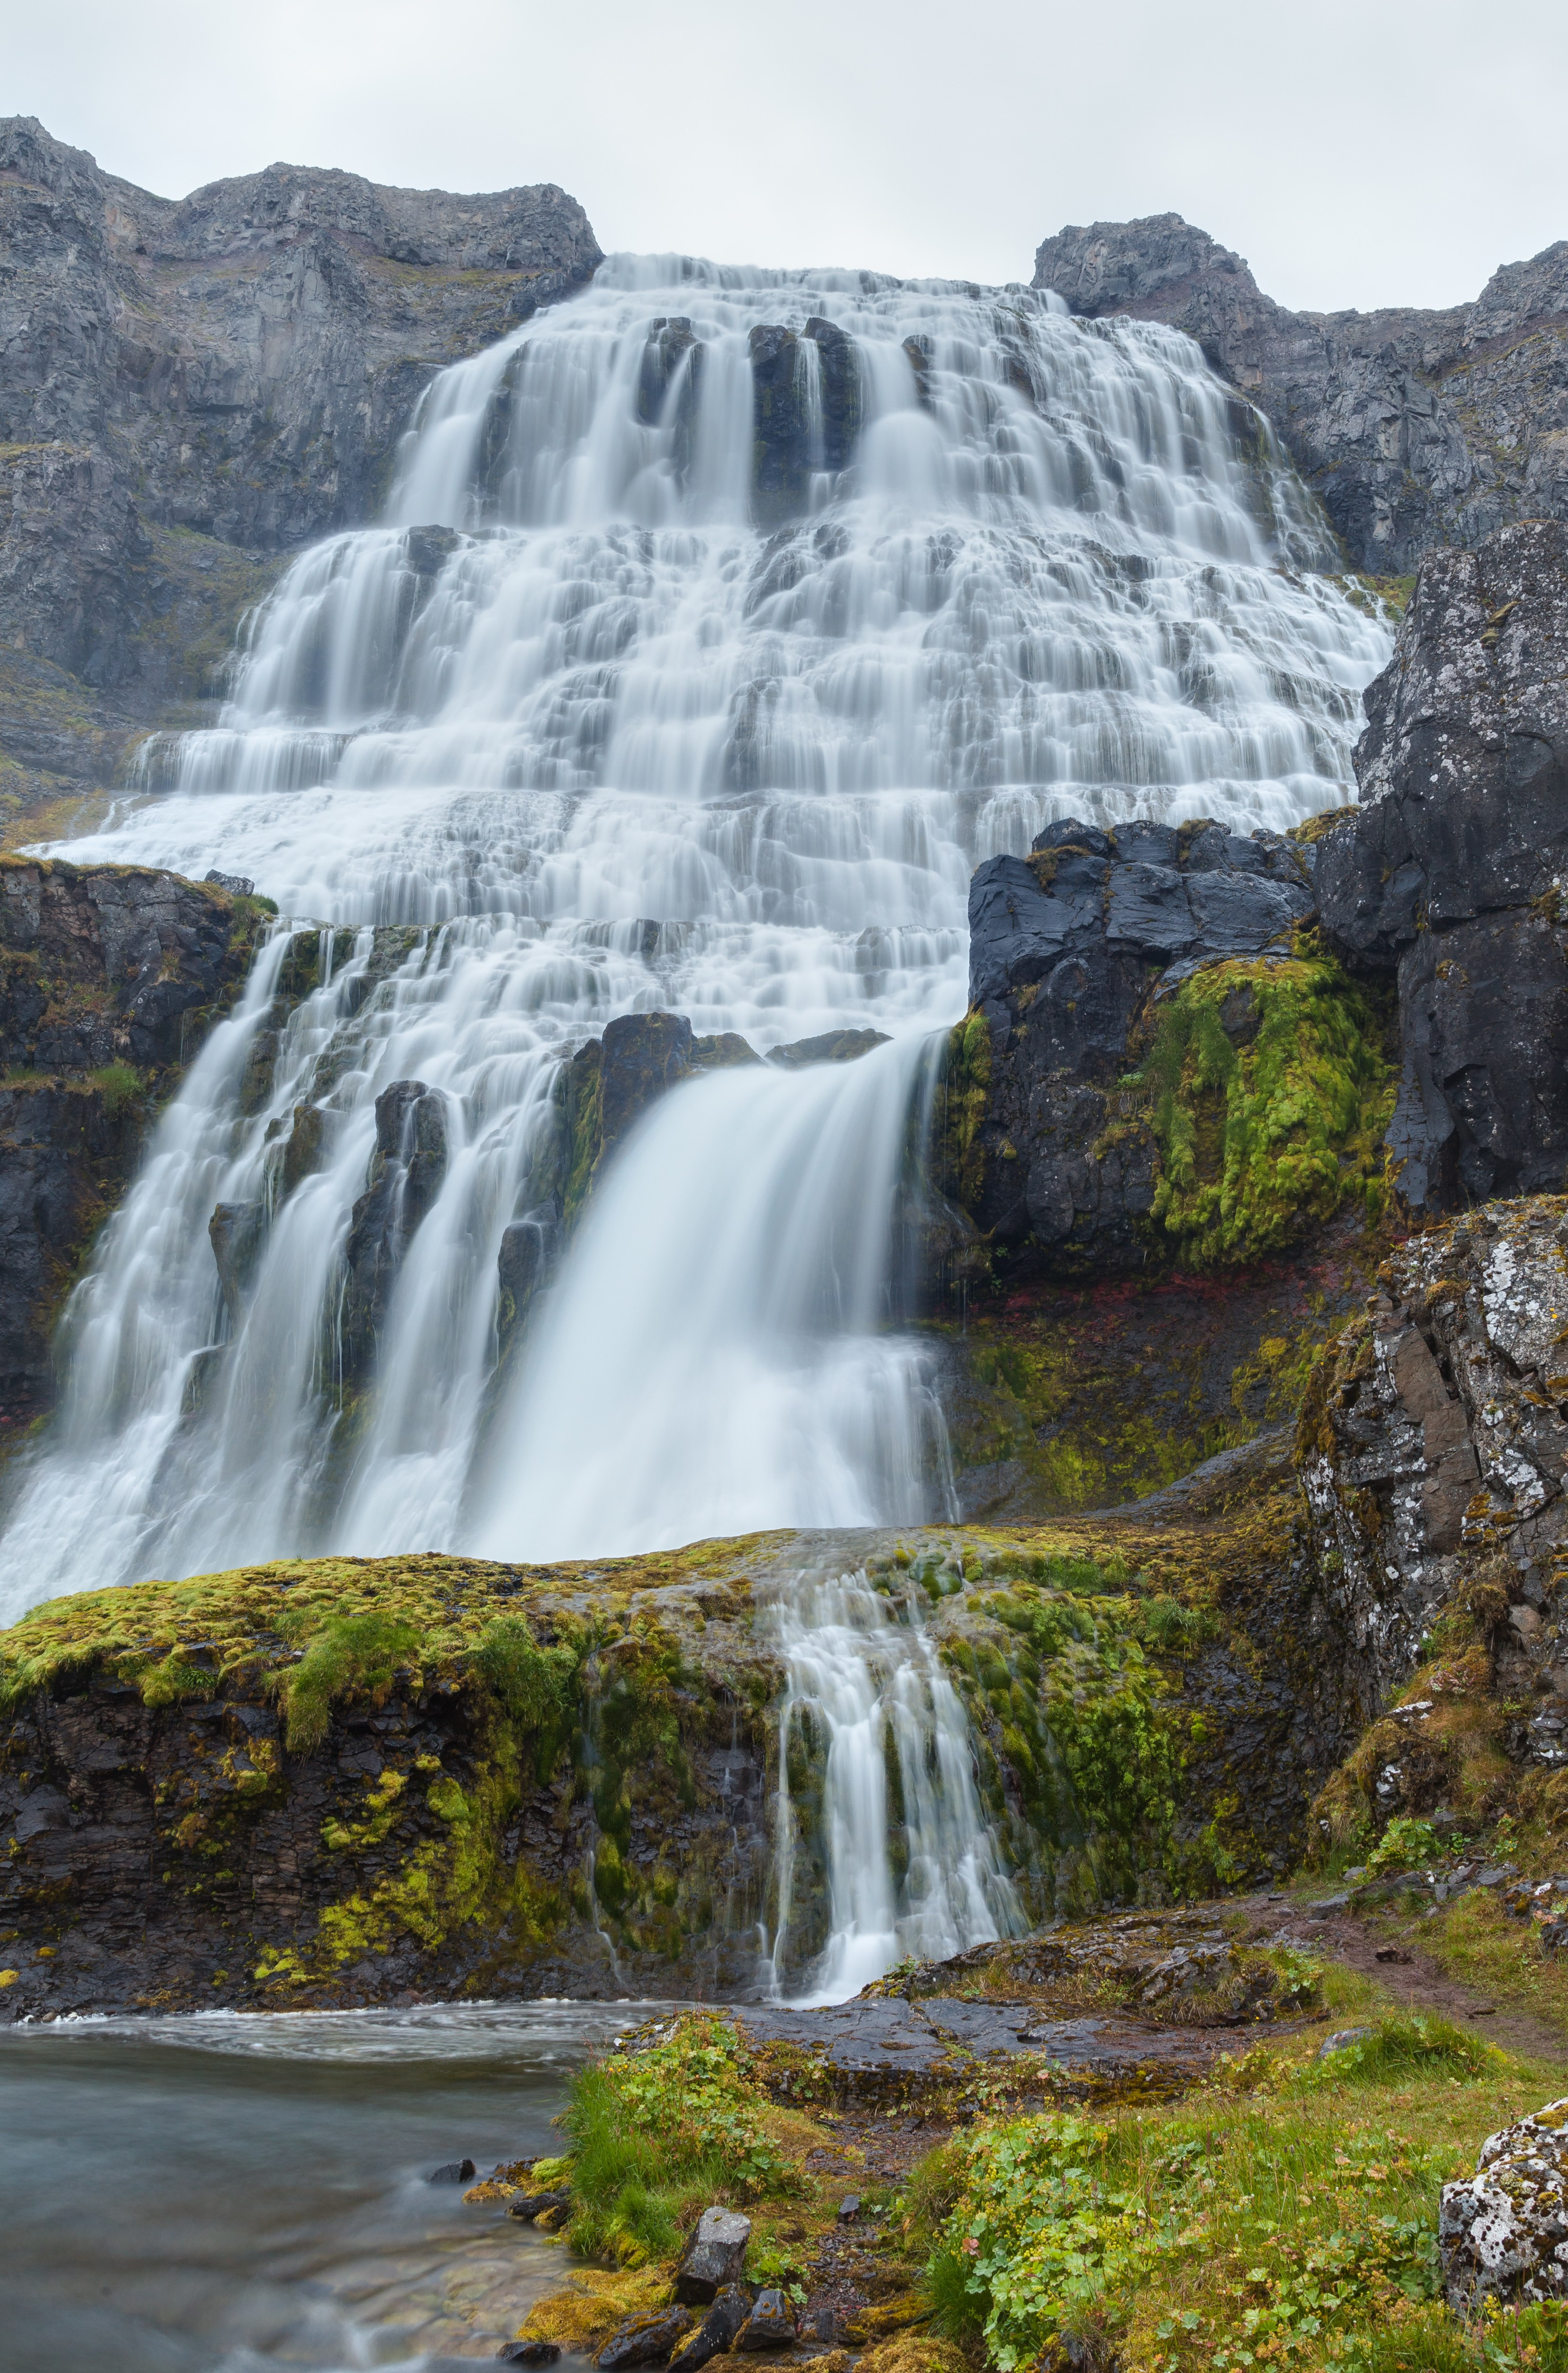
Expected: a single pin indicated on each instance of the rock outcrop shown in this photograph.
(352, 1780)
(1414, 428)
(1434, 1441)
(1452, 874)
(1056, 1135)
(110, 979)
(1501, 2231)
(189, 387)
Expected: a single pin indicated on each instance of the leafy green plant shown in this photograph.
(1405, 1844)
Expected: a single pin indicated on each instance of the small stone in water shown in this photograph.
(456, 2170)
(529, 2352)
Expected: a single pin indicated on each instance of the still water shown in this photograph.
(229, 2193)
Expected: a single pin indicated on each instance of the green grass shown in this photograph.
(658, 2135)
(1283, 2214)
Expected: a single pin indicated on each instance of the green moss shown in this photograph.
(1259, 1138)
(583, 1089)
(962, 1101)
(345, 1655)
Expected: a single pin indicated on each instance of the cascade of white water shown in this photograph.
(571, 690)
(887, 1718)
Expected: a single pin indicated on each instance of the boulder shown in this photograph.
(1450, 874)
(1067, 948)
(455, 2171)
(645, 2339)
(716, 2333)
(770, 2324)
(1502, 2232)
(714, 2256)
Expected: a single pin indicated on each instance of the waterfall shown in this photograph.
(718, 623)
(908, 1865)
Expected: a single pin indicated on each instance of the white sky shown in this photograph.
(1357, 152)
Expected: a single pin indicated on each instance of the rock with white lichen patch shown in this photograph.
(1502, 2232)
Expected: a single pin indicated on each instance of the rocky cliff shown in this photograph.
(188, 387)
(110, 979)
(1415, 428)
(1450, 874)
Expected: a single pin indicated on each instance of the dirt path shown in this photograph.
(1414, 1980)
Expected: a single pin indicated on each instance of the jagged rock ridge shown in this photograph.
(1414, 427)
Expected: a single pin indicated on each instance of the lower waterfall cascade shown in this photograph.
(895, 1737)
(718, 623)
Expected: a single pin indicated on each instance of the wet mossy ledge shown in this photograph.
(348, 1780)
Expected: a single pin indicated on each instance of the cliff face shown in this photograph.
(1450, 873)
(110, 979)
(1414, 428)
(185, 382)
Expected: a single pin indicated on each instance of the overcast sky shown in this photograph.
(1357, 152)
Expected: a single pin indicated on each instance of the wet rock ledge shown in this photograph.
(111, 977)
(351, 1781)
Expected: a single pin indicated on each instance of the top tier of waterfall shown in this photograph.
(776, 599)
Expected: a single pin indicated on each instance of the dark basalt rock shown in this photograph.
(1434, 1434)
(1450, 873)
(716, 2333)
(715, 2256)
(529, 2352)
(1415, 429)
(841, 400)
(645, 2339)
(456, 2170)
(1066, 947)
(832, 1046)
(405, 1173)
(236, 1231)
(770, 2324)
(110, 979)
(781, 455)
(788, 445)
